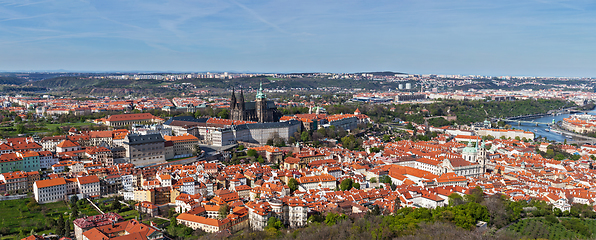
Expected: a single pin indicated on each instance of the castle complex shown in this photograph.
(260, 110)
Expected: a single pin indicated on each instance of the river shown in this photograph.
(540, 130)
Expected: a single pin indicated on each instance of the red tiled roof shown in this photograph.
(50, 182)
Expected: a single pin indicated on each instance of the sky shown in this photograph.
(475, 37)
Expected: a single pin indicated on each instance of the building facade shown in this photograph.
(142, 150)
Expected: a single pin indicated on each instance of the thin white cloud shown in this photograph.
(259, 17)
(23, 18)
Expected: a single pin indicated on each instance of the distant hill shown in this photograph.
(12, 80)
(76, 82)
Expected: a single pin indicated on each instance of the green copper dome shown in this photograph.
(470, 149)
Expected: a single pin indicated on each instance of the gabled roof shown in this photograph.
(67, 143)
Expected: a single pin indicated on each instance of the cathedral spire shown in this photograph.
(241, 101)
(260, 94)
(233, 100)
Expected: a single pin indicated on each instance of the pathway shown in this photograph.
(95, 206)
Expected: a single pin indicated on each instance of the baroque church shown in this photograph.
(476, 154)
(260, 110)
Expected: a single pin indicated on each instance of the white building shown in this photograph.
(47, 159)
(49, 190)
(89, 186)
(317, 182)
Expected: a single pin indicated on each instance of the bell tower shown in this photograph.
(261, 104)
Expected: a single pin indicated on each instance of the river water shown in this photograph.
(540, 130)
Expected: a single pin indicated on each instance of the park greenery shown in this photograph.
(506, 219)
(22, 217)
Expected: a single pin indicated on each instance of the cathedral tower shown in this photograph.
(233, 100)
(241, 107)
(261, 104)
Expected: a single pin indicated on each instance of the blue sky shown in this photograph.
(524, 38)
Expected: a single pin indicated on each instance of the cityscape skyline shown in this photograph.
(537, 38)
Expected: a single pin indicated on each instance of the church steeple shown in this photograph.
(260, 94)
(241, 106)
(233, 100)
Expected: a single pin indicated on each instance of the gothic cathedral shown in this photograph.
(260, 110)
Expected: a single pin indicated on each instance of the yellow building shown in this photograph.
(144, 195)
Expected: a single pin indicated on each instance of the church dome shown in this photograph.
(470, 150)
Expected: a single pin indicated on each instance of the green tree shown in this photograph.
(196, 149)
(223, 114)
(224, 210)
(273, 222)
(116, 205)
(385, 179)
(455, 199)
(20, 129)
(251, 153)
(67, 228)
(386, 138)
(356, 185)
(18, 119)
(60, 227)
(373, 180)
(346, 184)
(305, 137)
(334, 218)
(73, 200)
(293, 184)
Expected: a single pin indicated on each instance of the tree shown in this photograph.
(75, 212)
(304, 136)
(251, 153)
(385, 179)
(455, 199)
(373, 180)
(293, 184)
(386, 138)
(346, 184)
(356, 185)
(73, 200)
(18, 119)
(224, 210)
(20, 129)
(116, 205)
(67, 228)
(334, 218)
(196, 149)
(224, 114)
(60, 227)
(396, 204)
(273, 222)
